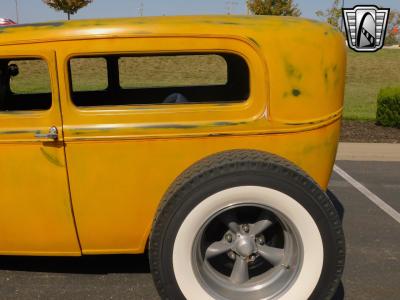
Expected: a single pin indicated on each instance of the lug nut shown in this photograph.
(232, 255)
(246, 228)
(260, 240)
(228, 238)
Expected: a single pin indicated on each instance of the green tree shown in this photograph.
(70, 7)
(332, 15)
(273, 7)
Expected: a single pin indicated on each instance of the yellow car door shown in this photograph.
(35, 209)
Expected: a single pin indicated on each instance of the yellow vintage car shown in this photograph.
(207, 141)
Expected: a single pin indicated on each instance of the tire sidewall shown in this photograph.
(194, 192)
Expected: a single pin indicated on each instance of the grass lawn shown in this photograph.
(366, 74)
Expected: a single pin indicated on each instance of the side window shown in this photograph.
(172, 71)
(88, 74)
(24, 84)
(159, 79)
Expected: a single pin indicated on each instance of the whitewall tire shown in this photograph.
(248, 225)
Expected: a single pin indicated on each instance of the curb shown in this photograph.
(368, 152)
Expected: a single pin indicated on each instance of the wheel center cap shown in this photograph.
(245, 246)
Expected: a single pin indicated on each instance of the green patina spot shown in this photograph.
(223, 103)
(51, 158)
(220, 22)
(331, 74)
(292, 71)
(31, 25)
(17, 131)
(168, 126)
(254, 41)
(296, 92)
(15, 112)
(228, 23)
(48, 24)
(225, 123)
(81, 131)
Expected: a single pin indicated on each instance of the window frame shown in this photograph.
(120, 54)
(131, 122)
(24, 55)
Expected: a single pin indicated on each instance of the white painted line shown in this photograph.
(367, 193)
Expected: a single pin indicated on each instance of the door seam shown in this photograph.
(65, 155)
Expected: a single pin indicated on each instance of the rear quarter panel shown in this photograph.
(117, 186)
(307, 63)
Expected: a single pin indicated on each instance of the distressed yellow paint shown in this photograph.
(115, 202)
(122, 159)
(35, 207)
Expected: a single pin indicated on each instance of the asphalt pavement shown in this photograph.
(372, 268)
(372, 263)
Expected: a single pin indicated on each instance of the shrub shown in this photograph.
(388, 110)
(391, 40)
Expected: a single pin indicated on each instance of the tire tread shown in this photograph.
(230, 162)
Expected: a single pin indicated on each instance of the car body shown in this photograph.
(96, 188)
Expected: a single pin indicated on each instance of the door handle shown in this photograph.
(52, 135)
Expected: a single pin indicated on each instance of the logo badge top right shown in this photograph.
(365, 27)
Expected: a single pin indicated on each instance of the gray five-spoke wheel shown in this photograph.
(248, 250)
